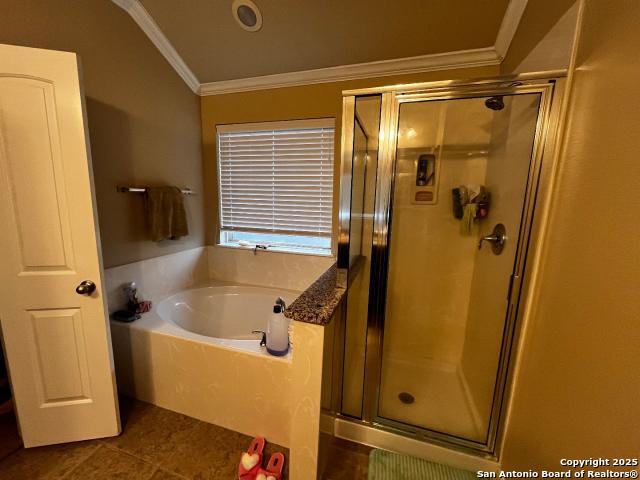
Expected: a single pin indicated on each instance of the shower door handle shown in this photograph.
(497, 239)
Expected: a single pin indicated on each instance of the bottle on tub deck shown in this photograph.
(278, 332)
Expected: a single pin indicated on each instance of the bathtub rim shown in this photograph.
(153, 322)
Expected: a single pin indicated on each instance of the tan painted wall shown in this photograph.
(310, 101)
(543, 40)
(143, 120)
(578, 388)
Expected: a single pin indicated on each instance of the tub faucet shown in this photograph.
(258, 246)
(263, 340)
(280, 301)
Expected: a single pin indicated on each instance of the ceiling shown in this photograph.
(300, 35)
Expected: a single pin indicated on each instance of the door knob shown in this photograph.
(497, 239)
(86, 287)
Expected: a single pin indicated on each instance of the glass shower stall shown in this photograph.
(441, 185)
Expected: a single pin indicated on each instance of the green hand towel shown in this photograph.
(165, 212)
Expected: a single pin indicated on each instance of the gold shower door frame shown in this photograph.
(550, 86)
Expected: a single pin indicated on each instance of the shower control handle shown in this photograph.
(497, 239)
(488, 238)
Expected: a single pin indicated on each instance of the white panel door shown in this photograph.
(57, 341)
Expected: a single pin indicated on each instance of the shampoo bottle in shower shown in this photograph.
(278, 333)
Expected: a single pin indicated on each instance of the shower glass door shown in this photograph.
(461, 168)
(441, 186)
(366, 126)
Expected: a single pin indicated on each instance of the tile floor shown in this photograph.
(157, 444)
(9, 438)
(346, 460)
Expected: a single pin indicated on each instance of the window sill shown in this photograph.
(308, 252)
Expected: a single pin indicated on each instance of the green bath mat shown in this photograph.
(385, 465)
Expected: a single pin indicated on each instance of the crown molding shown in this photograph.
(508, 27)
(148, 25)
(397, 66)
(420, 64)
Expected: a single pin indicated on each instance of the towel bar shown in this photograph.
(185, 191)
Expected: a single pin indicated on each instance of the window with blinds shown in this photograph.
(276, 185)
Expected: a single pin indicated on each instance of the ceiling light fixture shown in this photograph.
(247, 15)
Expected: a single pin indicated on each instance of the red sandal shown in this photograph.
(274, 468)
(251, 460)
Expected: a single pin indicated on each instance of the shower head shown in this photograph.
(495, 103)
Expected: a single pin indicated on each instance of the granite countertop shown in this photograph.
(318, 302)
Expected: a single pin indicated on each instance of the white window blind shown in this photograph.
(277, 177)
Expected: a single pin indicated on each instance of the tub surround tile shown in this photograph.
(168, 371)
(157, 277)
(306, 388)
(268, 269)
(318, 302)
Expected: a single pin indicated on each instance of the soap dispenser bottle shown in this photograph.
(278, 333)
